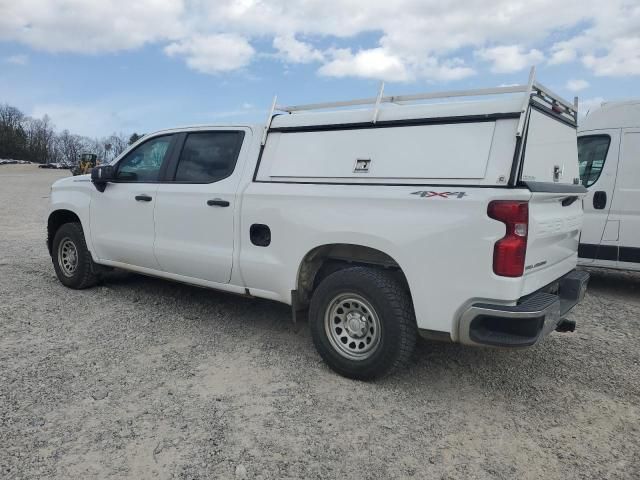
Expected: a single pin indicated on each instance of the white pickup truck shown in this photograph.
(457, 220)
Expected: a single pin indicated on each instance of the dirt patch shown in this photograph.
(143, 378)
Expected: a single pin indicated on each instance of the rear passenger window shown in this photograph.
(208, 157)
(592, 153)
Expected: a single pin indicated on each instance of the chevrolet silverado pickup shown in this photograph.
(380, 218)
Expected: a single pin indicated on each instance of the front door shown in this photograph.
(122, 224)
(195, 207)
(598, 158)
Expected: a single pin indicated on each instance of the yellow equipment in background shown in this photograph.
(85, 164)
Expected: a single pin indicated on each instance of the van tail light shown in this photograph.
(509, 252)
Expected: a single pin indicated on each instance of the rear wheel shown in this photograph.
(362, 322)
(71, 258)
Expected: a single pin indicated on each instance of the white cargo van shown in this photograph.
(456, 220)
(609, 154)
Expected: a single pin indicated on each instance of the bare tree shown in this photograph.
(40, 139)
(117, 143)
(70, 146)
(35, 139)
(12, 135)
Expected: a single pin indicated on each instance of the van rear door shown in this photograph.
(550, 169)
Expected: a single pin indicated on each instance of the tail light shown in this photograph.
(509, 252)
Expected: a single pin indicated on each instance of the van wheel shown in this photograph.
(71, 258)
(362, 323)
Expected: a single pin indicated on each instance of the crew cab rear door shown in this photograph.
(550, 169)
(194, 214)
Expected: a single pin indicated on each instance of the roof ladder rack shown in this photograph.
(531, 90)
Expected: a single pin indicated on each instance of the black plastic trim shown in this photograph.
(609, 252)
(550, 187)
(598, 252)
(171, 161)
(381, 184)
(255, 172)
(629, 254)
(516, 161)
(489, 117)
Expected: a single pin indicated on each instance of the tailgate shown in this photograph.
(550, 170)
(554, 234)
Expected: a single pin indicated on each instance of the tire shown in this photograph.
(71, 258)
(362, 323)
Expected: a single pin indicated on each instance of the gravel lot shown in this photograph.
(144, 378)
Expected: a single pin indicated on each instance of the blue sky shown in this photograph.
(143, 65)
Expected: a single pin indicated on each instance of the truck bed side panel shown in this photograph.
(442, 240)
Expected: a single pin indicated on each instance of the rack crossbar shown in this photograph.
(404, 98)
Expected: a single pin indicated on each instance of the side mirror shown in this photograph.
(101, 175)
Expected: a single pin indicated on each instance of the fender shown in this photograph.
(74, 194)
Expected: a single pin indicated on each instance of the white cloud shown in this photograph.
(611, 45)
(511, 58)
(622, 59)
(89, 26)
(416, 39)
(372, 63)
(378, 63)
(213, 54)
(577, 85)
(295, 51)
(562, 54)
(17, 59)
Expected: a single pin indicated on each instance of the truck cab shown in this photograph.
(609, 156)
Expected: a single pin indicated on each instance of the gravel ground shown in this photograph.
(143, 378)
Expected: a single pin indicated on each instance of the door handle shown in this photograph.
(143, 198)
(599, 200)
(217, 202)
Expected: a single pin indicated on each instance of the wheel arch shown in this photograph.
(323, 260)
(56, 219)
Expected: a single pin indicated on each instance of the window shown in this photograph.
(592, 153)
(208, 157)
(143, 164)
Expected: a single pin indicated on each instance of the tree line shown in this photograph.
(36, 139)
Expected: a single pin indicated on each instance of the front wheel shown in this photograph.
(362, 322)
(71, 258)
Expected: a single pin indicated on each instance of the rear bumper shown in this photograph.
(533, 318)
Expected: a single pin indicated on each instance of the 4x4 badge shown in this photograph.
(429, 194)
